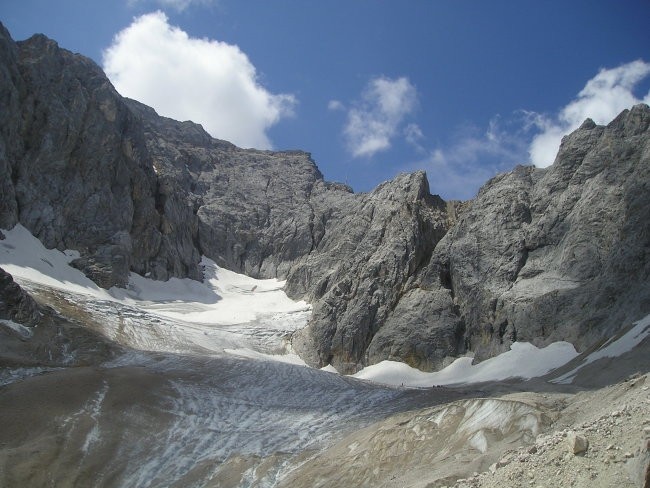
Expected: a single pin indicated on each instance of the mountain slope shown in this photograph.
(539, 255)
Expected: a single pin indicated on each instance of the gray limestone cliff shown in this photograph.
(15, 304)
(74, 167)
(540, 255)
(396, 273)
(561, 253)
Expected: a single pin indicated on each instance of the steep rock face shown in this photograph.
(10, 127)
(15, 304)
(540, 255)
(74, 169)
(559, 253)
(361, 268)
(251, 209)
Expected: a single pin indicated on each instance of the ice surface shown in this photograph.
(93, 408)
(20, 329)
(283, 358)
(12, 375)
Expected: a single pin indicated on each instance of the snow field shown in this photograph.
(226, 312)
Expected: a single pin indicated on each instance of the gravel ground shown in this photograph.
(614, 421)
(529, 439)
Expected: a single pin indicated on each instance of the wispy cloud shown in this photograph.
(458, 168)
(603, 98)
(178, 5)
(335, 105)
(206, 81)
(414, 136)
(375, 119)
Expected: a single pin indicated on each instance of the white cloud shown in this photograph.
(602, 99)
(206, 81)
(375, 119)
(178, 5)
(458, 169)
(335, 105)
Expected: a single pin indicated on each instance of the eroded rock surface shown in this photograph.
(560, 253)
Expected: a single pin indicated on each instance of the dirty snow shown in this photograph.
(20, 329)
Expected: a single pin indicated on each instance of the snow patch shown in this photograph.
(283, 358)
(23, 256)
(613, 348)
(524, 360)
(479, 442)
(330, 369)
(223, 297)
(225, 310)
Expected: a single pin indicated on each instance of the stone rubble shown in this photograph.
(615, 425)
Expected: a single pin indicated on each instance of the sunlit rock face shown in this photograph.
(559, 253)
(539, 255)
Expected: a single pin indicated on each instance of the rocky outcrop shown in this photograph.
(359, 278)
(558, 253)
(32, 335)
(76, 173)
(250, 210)
(132, 191)
(539, 255)
(15, 304)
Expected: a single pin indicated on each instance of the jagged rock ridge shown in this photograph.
(539, 255)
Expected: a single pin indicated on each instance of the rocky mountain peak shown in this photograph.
(413, 186)
(634, 121)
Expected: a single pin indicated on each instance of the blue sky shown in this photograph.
(462, 89)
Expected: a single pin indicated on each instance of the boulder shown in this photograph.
(577, 443)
